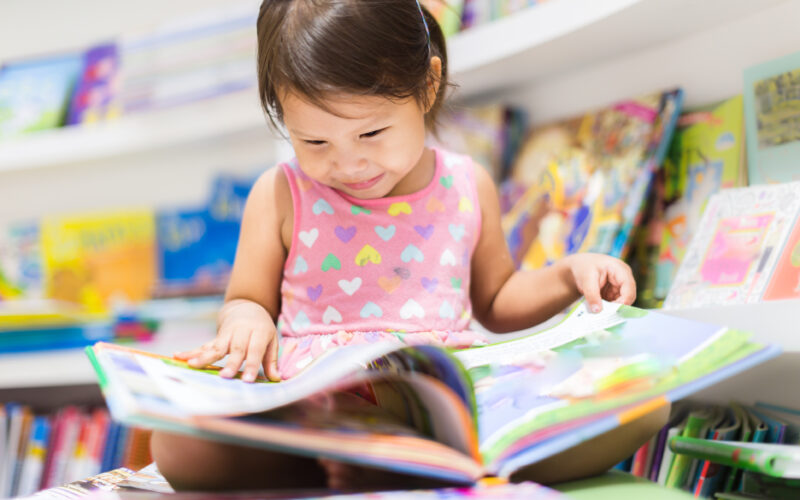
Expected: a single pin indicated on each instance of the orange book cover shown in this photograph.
(95, 259)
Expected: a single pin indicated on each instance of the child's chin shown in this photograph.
(366, 194)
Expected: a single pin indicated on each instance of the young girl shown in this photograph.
(367, 235)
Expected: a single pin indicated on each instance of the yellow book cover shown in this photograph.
(94, 259)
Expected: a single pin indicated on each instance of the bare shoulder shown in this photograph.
(487, 191)
(271, 197)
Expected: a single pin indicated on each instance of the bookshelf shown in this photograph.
(533, 45)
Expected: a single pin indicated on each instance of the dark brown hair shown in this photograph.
(316, 48)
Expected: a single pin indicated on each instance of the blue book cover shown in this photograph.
(197, 246)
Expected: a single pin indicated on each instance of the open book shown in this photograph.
(431, 411)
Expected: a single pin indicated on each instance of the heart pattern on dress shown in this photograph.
(309, 237)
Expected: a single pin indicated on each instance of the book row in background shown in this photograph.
(71, 280)
(732, 451)
(667, 189)
(43, 451)
(201, 57)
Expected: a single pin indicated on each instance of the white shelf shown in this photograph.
(71, 367)
(178, 126)
(775, 322)
(563, 35)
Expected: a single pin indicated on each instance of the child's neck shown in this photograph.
(419, 176)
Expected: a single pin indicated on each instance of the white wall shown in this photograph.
(708, 65)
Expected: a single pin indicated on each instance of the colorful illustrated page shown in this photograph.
(625, 352)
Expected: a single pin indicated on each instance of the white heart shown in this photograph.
(411, 309)
(350, 287)
(331, 315)
(309, 237)
(447, 259)
(446, 311)
(300, 322)
(451, 161)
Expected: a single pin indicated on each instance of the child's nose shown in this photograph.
(350, 165)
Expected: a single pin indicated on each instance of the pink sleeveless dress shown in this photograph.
(393, 269)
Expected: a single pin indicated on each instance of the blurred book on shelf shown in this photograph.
(772, 120)
(45, 450)
(196, 57)
(729, 451)
(478, 12)
(581, 184)
(99, 258)
(448, 14)
(706, 155)
(745, 250)
(35, 94)
(94, 97)
(491, 135)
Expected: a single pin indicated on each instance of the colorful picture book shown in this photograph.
(772, 120)
(587, 178)
(20, 262)
(95, 259)
(34, 95)
(706, 155)
(747, 250)
(429, 411)
(96, 93)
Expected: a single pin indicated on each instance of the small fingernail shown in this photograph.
(226, 372)
(596, 308)
(192, 361)
(248, 377)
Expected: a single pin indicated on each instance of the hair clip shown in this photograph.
(425, 22)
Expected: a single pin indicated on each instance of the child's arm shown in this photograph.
(246, 323)
(506, 300)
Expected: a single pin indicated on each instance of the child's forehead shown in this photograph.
(340, 106)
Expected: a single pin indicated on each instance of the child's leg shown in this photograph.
(195, 464)
(598, 454)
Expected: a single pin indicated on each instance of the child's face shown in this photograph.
(362, 145)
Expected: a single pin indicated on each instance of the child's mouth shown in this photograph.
(364, 184)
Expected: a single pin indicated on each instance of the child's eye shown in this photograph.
(373, 133)
(314, 143)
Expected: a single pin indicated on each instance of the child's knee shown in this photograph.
(598, 454)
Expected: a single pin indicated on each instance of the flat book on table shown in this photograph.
(430, 411)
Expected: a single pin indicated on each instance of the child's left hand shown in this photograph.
(599, 277)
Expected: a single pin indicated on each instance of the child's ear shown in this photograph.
(434, 78)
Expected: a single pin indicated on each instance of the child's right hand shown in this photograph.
(247, 333)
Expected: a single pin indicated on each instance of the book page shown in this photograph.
(142, 382)
(579, 323)
(540, 394)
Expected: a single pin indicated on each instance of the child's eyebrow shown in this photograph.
(380, 122)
